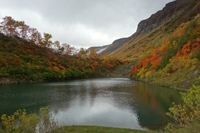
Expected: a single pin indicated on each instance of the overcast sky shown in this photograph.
(82, 23)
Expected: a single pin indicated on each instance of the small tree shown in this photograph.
(93, 53)
(47, 40)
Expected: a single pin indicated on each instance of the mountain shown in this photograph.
(170, 17)
(165, 47)
(99, 49)
(183, 9)
(115, 45)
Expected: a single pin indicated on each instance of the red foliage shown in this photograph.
(3, 62)
(15, 62)
(154, 60)
(185, 50)
(134, 70)
(145, 62)
(195, 46)
(109, 65)
(55, 59)
(179, 53)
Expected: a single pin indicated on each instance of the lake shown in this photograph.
(112, 102)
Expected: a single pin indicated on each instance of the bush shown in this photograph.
(197, 54)
(51, 75)
(186, 116)
(165, 59)
(21, 122)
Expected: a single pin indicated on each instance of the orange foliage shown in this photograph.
(134, 70)
(8, 58)
(55, 59)
(188, 47)
(21, 55)
(61, 67)
(145, 62)
(95, 64)
(155, 61)
(179, 53)
(16, 62)
(185, 50)
(3, 63)
(49, 63)
(126, 61)
(109, 65)
(55, 68)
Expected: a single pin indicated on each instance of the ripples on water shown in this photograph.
(113, 102)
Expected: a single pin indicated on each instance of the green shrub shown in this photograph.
(186, 116)
(197, 54)
(21, 122)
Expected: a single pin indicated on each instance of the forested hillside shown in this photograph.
(166, 46)
(28, 56)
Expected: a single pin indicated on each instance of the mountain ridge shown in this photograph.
(165, 48)
(171, 10)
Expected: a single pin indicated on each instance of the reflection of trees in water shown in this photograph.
(149, 102)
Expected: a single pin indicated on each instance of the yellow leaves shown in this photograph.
(8, 122)
(148, 73)
(188, 112)
(93, 53)
(178, 32)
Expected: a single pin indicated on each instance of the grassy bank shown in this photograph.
(94, 129)
(97, 129)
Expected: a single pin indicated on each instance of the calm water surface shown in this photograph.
(113, 102)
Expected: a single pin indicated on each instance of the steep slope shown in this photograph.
(99, 49)
(160, 23)
(115, 45)
(184, 10)
(163, 42)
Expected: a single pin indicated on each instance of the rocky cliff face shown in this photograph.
(173, 9)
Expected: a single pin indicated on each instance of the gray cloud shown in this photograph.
(82, 23)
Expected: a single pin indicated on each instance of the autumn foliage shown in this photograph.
(170, 55)
(27, 55)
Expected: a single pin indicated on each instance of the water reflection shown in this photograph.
(115, 102)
